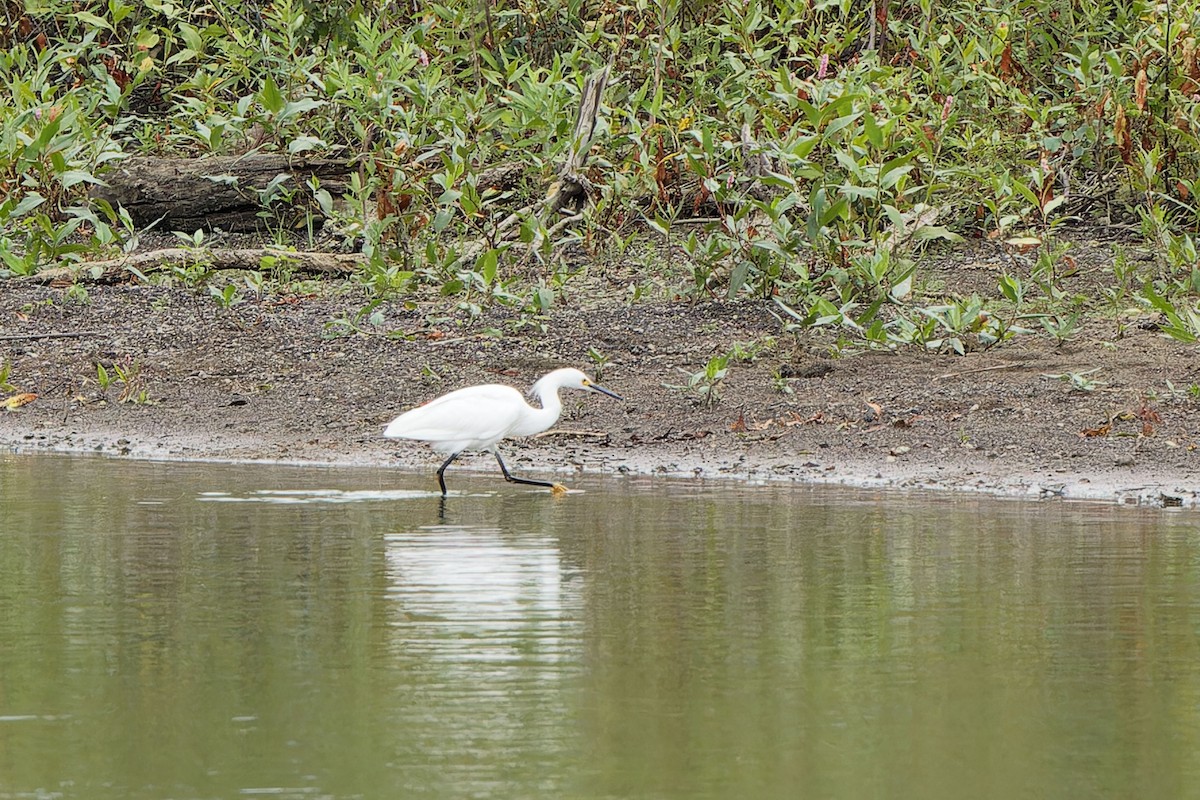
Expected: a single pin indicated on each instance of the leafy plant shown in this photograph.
(706, 383)
(600, 360)
(1078, 381)
(227, 296)
(1182, 324)
(771, 149)
(1062, 327)
(127, 376)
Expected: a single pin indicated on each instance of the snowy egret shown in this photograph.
(477, 417)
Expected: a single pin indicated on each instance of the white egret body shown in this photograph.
(478, 417)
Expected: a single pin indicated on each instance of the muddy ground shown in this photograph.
(274, 379)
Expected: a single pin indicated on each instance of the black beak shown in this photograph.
(597, 388)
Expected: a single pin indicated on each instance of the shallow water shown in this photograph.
(206, 630)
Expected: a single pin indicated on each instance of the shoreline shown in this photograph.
(164, 373)
(1136, 487)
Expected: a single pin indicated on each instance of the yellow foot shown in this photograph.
(558, 490)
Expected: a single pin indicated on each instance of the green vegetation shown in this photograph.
(809, 152)
(127, 376)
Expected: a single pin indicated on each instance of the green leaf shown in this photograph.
(93, 20)
(1010, 287)
(1157, 301)
(873, 131)
(841, 123)
(1052, 204)
(926, 233)
(301, 106)
(73, 177)
(270, 97)
(737, 278)
(662, 226)
(304, 143)
(487, 265)
(186, 54)
(443, 217)
(903, 287)
(191, 37)
(868, 315)
(850, 190)
(893, 171)
(1027, 193)
(27, 203)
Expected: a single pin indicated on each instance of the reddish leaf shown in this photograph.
(1006, 65)
(1149, 417)
(1103, 430)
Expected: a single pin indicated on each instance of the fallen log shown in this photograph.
(226, 192)
(135, 266)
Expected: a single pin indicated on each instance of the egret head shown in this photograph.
(570, 378)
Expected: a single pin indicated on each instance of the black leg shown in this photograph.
(442, 468)
(511, 479)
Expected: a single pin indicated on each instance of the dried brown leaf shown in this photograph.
(1121, 135)
(1141, 86)
(17, 400)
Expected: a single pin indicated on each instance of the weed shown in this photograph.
(1078, 381)
(1182, 324)
(127, 376)
(780, 383)
(1062, 327)
(1190, 392)
(600, 360)
(706, 383)
(370, 319)
(749, 351)
(78, 293)
(227, 296)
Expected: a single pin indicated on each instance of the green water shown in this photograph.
(215, 631)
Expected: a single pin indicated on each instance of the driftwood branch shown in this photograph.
(573, 189)
(27, 337)
(123, 269)
(568, 195)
